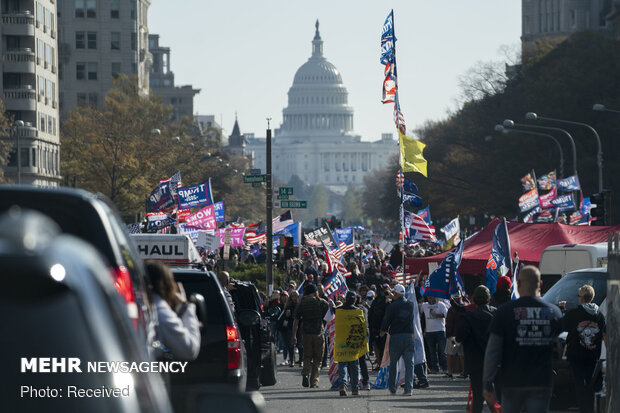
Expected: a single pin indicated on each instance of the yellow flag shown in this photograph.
(351, 340)
(411, 158)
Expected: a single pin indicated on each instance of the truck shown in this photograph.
(557, 260)
(172, 249)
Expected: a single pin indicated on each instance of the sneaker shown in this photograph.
(343, 391)
(305, 382)
(314, 386)
(355, 392)
(392, 393)
(449, 376)
(408, 393)
(284, 363)
(291, 364)
(421, 385)
(365, 386)
(462, 376)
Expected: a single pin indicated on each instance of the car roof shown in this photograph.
(598, 269)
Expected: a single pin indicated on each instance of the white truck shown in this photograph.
(557, 260)
(173, 249)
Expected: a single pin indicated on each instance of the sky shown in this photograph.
(243, 54)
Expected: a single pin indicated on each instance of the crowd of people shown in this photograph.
(503, 346)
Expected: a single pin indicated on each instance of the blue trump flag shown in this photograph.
(445, 281)
(292, 230)
(218, 207)
(499, 260)
(425, 213)
(335, 285)
(196, 195)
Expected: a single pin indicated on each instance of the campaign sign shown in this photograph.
(564, 202)
(569, 184)
(528, 200)
(545, 200)
(203, 219)
(344, 235)
(236, 236)
(530, 215)
(158, 221)
(197, 195)
(182, 214)
(161, 198)
(219, 211)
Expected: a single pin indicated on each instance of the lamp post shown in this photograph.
(510, 124)
(504, 130)
(599, 154)
(601, 108)
(18, 124)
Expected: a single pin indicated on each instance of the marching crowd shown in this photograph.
(504, 346)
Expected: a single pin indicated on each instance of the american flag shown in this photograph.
(389, 84)
(175, 182)
(315, 259)
(399, 119)
(421, 230)
(333, 259)
(400, 180)
(282, 221)
(331, 330)
(254, 238)
(134, 228)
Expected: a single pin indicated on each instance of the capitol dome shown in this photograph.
(317, 100)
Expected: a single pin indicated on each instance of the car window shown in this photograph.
(206, 286)
(567, 288)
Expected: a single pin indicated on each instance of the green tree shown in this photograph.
(379, 199)
(351, 207)
(5, 140)
(317, 204)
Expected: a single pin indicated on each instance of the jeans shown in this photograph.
(437, 350)
(353, 375)
(313, 355)
(364, 369)
(532, 399)
(289, 349)
(401, 345)
(420, 372)
(582, 373)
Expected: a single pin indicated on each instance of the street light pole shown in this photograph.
(536, 127)
(601, 108)
(527, 132)
(19, 124)
(599, 154)
(269, 208)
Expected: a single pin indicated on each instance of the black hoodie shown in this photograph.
(473, 331)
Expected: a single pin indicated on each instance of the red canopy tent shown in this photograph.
(528, 240)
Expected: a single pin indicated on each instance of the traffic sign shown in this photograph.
(293, 204)
(257, 184)
(250, 179)
(282, 197)
(254, 171)
(283, 190)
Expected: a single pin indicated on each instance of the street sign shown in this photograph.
(254, 171)
(282, 197)
(293, 204)
(250, 179)
(257, 184)
(283, 190)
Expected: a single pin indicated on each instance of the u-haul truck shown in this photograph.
(173, 249)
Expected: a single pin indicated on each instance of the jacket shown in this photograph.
(180, 334)
(473, 331)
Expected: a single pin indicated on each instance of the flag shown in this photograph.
(195, 195)
(175, 183)
(389, 84)
(545, 200)
(315, 260)
(367, 257)
(416, 228)
(400, 180)
(335, 286)
(399, 120)
(333, 260)
(411, 155)
(499, 262)
(547, 182)
(528, 182)
(445, 281)
(282, 221)
(452, 230)
(388, 39)
(515, 273)
(160, 198)
(425, 213)
(528, 200)
(569, 184)
(134, 228)
(255, 251)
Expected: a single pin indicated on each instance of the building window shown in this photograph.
(115, 40)
(133, 10)
(93, 99)
(80, 40)
(40, 51)
(25, 157)
(92, 71)
(79, 8)
(116, 68)
(41, 87)
(49, 55)
(92, 40)
(114, 9)
(48, 90)
(573, 18)
(42, 121)
(40, 14)
(50, 124)
(48, 19)
(80, 71)
(91, 8)
(34, 157)
(82, 99)
(134, 41)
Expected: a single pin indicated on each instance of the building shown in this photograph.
(236, 142)
(29, 89)
(99, 39)
(554, 20)
(316, 140)
(161, 80)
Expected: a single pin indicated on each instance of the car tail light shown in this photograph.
(234, 347)
(122, 282)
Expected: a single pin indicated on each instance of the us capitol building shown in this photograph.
(316, 140)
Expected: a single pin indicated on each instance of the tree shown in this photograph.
(318, 202)
(351, 208)
(5, 141)
(379, 198)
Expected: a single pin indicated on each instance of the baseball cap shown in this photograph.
(371, 294)
(399, 289)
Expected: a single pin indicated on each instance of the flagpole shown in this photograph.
(269, 208)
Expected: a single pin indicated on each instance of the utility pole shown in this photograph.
(269, 214)
(612, 379)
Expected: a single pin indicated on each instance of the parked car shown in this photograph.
(256, 334)
(222, 357)
(94, 219)
(59, 302)
(566, 289)
(557, 260)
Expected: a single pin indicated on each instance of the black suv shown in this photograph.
(222, 358)
(93, 218)
(256, 334)
(60, 304)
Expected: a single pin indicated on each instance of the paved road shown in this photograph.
(288, 396)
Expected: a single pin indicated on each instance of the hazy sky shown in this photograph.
(243, 54)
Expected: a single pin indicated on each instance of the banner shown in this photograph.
(411, 155)
(182, 214)
(197, 195)
(335, 285)
(209, 242)
(203, 219)
(425, 214)
(528, 182)
(416, 228)
(219, 211)
(351, 340)
(161, 198)
(499, 260)
(292, 230)
(344, 234)
(569, 184)
(445, 281)
(529, 218)
(315, 237)
(528, 200)
(547, 215)
(158, 220)
(547, 182)
(564, 203)
(453, 228)
(236, 236)
(545, 200)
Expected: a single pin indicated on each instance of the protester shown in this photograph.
(178, 327)
(362, 360)
(454, 349)
(520, 348)
(348, 371)
(294, 302)
(502, 292)
(585, 326)
(435, 312)
(224, 278)
(285, 329)
(398, 321)
(375, 318)
(472, 331)
(310, 312)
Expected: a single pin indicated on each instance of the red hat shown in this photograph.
(503, 283)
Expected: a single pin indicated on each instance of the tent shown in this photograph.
(527, 240)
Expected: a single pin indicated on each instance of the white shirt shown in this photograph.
(434, 323)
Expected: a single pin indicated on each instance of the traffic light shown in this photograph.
(599, 211)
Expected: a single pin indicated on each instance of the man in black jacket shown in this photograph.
(585, 326)
(473, 331)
